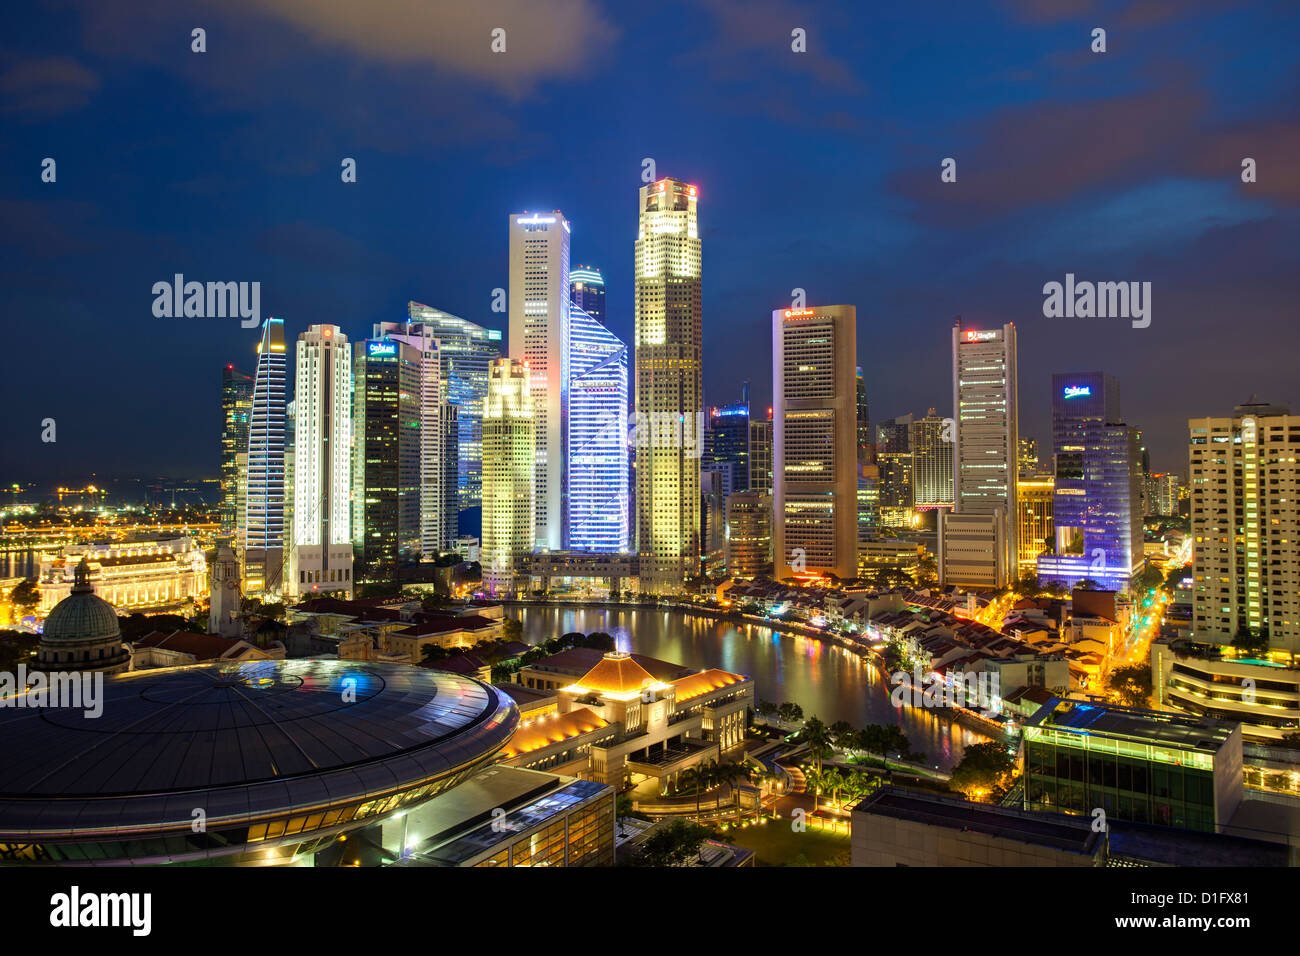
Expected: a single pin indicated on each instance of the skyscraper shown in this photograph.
(587, 291)
(1245, 525)
(749, 534)
(465, 353)
(977, 541)
(322, 481)
(1095, 508)
(509, 444)
(815, 442)
(894, 459)
(236, 409)
(1035, 529)
(386, 449)
(930, 439)
(726, 442)
(597, 443)
(263, 520)
(539, 335)
(760, 453)
(866, 449)
(669, 383)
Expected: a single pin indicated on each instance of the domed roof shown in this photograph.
(82, 615)
(616, 673)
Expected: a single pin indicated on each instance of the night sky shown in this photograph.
(818, 170)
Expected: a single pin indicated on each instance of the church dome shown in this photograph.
(82, 615)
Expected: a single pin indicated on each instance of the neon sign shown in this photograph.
(381, 348)
(1077, 391)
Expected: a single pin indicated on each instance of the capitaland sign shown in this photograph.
(1077, 391)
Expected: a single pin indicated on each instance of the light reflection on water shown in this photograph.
(823, 679)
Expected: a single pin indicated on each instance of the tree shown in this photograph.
(790, 711)
(25, 597)
(701, 778)
(765, 708)
(1131, 683)
(843, 734)
(670, 844)
(982, 769)
(1254, 642)
(1150, 578)
(818, 738)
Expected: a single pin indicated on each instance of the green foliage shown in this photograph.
(983, 769)
(672, 843)
(1131, 683)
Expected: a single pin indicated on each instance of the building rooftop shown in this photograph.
(616, 673)
(552, 729)
(1129, 723)
(704, 682)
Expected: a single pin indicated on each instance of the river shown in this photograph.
(825, 680)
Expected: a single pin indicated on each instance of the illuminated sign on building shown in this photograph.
(799, 313)
(1077, 391)
(381, 348)
(973, 336)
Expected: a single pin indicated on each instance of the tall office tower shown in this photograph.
(1245, 525)
(894, 458)
(236, 409)
(289, 564)
(714, 481)
(322, 480)
(760, 453)
(447, 486)
(539, 335)
(465, 353)
(930, 439)
(1028, 457)
(386, 458)
(726, 442)
(815, 442)
(1098, 530)
(597, 424)
(264, 506)
(749, 534)
(866, 446)
(669, 384)
(868, 502)
(977, 540)
(1034, 528)
(509, 444)
(587, 291)
(1165, 493)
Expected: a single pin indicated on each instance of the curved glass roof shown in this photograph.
(240, 740)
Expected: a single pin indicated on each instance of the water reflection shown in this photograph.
(821, 678)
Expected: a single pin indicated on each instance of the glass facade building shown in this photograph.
(726, 443)
(263, 519)
(597, 445)
(236, 410)
(587, 290)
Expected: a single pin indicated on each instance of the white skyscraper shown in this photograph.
(539, 335)
(322, 479)
(977, 547)
(508, 446)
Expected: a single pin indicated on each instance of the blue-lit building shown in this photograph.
(596, 518)
(263, 518)
(1096, 497)
(587, 290)
(726, 443)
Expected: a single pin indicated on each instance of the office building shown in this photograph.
(1161, 494)
(1095, 519)
(866, 450)
(597, 440)
(587, 291)
(930, 439)
(322, 477)
(236, 411)
(539, 335)
(669, 384)
(977, 540)
(1029, 464)
(509, 444)
(726, 442)
(894, 459)
(1035, 531)
(815, 454)
(760, 453)
(749, 534)
(1246, 527)
(868, 502)
(264, 505)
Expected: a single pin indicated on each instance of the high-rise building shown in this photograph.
(587, 291)
(868, 502)
(597, 441)
(760, 453)
(749, 534)
(1028, 457)
(508, 471)
(1095, 519)
(539, 335)
(714, 482)
(815, 443)
(669, 383)
(386, 449)
(977, 540)
(866, 450)
(236, 409)
(726, 442)
(930, 439)
(322, 482)
(447, 485)
(1245, 526)
(264, 505)
(894, 458)
(1035, 530)
(465, 353)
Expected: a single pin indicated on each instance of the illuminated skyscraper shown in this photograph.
(587, 291)
(977, 541)
(465, 353)
(1035, 531)
(322, 481)
(236, 408)
(669, 386)
(508, 469)
(263, 521)
(866, 451)
(815, 442)
(749, 534)
(597, 441)
(726, 443)
(539, 335)
(760, 453)
(894, 458)
(930, 439)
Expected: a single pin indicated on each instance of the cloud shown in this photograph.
(46, 86)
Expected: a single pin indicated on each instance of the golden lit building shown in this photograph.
(508, 480)
(749, 534)
(145, 573)
(1034, 516)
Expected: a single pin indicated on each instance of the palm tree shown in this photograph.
(700, 777)
(818, 738)
(729, 773)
